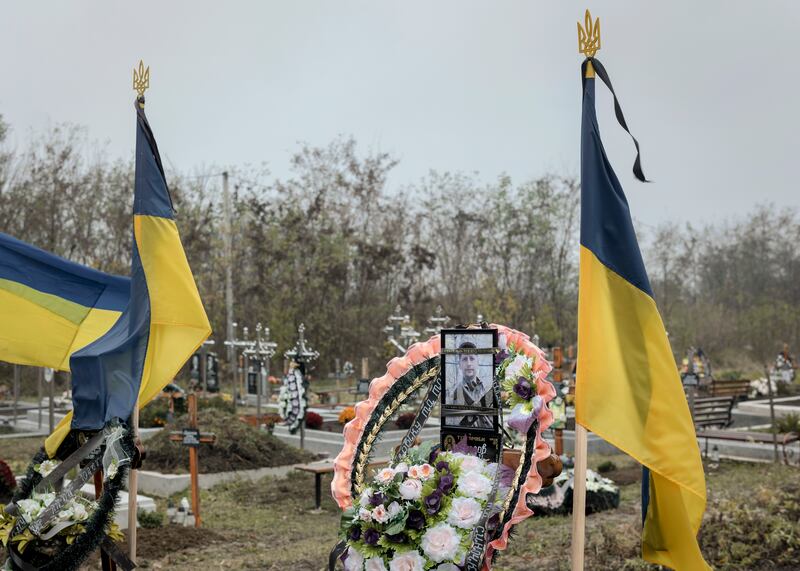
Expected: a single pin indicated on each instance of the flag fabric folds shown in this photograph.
(628, 390)
(51, 307)
(164, 322)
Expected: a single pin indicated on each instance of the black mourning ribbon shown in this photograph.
(601, 72)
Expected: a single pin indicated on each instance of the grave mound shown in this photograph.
(239, 447)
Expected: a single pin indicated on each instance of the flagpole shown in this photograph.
(588, 44)
(133, 490)
(141, 81)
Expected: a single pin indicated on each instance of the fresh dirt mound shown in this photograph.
(238, 447)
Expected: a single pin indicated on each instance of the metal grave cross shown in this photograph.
(193, 438)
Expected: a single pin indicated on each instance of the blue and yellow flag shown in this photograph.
(628, 390)
(164, 322)
(51, 307)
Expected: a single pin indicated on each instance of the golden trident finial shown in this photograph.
(141, 79)
(589, 37)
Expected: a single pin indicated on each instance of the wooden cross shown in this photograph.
(193, 438)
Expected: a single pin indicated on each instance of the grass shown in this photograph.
(752, 522)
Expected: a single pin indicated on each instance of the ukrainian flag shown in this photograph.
(164, 322)
(628, 390)
(51, 307)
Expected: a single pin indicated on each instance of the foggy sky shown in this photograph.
(709, 88)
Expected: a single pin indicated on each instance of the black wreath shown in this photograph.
(71, 557)
(400, 385)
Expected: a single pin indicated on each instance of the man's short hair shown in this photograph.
(467, 345)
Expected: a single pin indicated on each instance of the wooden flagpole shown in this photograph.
(588, 44)
(579, 499)
(133, 489)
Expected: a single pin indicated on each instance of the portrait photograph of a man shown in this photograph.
(468, 379)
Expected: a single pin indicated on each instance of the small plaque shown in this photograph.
(191, 437)
(484, 445)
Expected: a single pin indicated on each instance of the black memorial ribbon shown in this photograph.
(475, 555)
(601, 72)
(428, 404)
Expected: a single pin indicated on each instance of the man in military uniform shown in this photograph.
(470, 390)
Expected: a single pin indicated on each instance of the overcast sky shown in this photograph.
(709, 88)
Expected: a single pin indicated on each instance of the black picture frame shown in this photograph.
(459, 409)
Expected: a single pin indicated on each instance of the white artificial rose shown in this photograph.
(471, 463)
(513, 369)
(364, 515)
(441, 543)
(474, 485)
(408, 561)
(385, 475)
(380, 514)
(45, 499)
(401, 468)
(464, 512)
(354, 560)
(448, 567)
(374, 564)
(393, 509)
(410, 489)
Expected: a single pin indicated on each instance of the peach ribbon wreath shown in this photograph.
(399, 366)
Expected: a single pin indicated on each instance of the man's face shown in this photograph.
(469, 366)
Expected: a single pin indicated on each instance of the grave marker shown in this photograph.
(193, 438)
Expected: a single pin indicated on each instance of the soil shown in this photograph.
(153, 544)
(625, 475)
(238, 447)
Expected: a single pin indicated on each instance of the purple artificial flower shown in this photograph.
(520, 420)
(443, 466)
(371, 536)
(500, 356)
(433, 502)
(377, 499)
(446, 483)
(506, 476)
(523, 388)
(435, 451)
(397, 537)
(416, 520)
(354, 533)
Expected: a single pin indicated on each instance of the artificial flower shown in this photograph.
(393, 510)
(416, 520)
(410, 489)
(46, 467)
(523, 388)
(364, 514)
(374, 564)
(521, 417)
(464, 512)
(385, 475)
(407, 561)
(365, 496)
(441, 543)
(354, 560)
(426, 471)
(474, 485)
(446, 483)
(380, 514)
(433, 502)
(401, 468)
(371, 536)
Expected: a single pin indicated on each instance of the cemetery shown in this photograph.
(318, 374)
